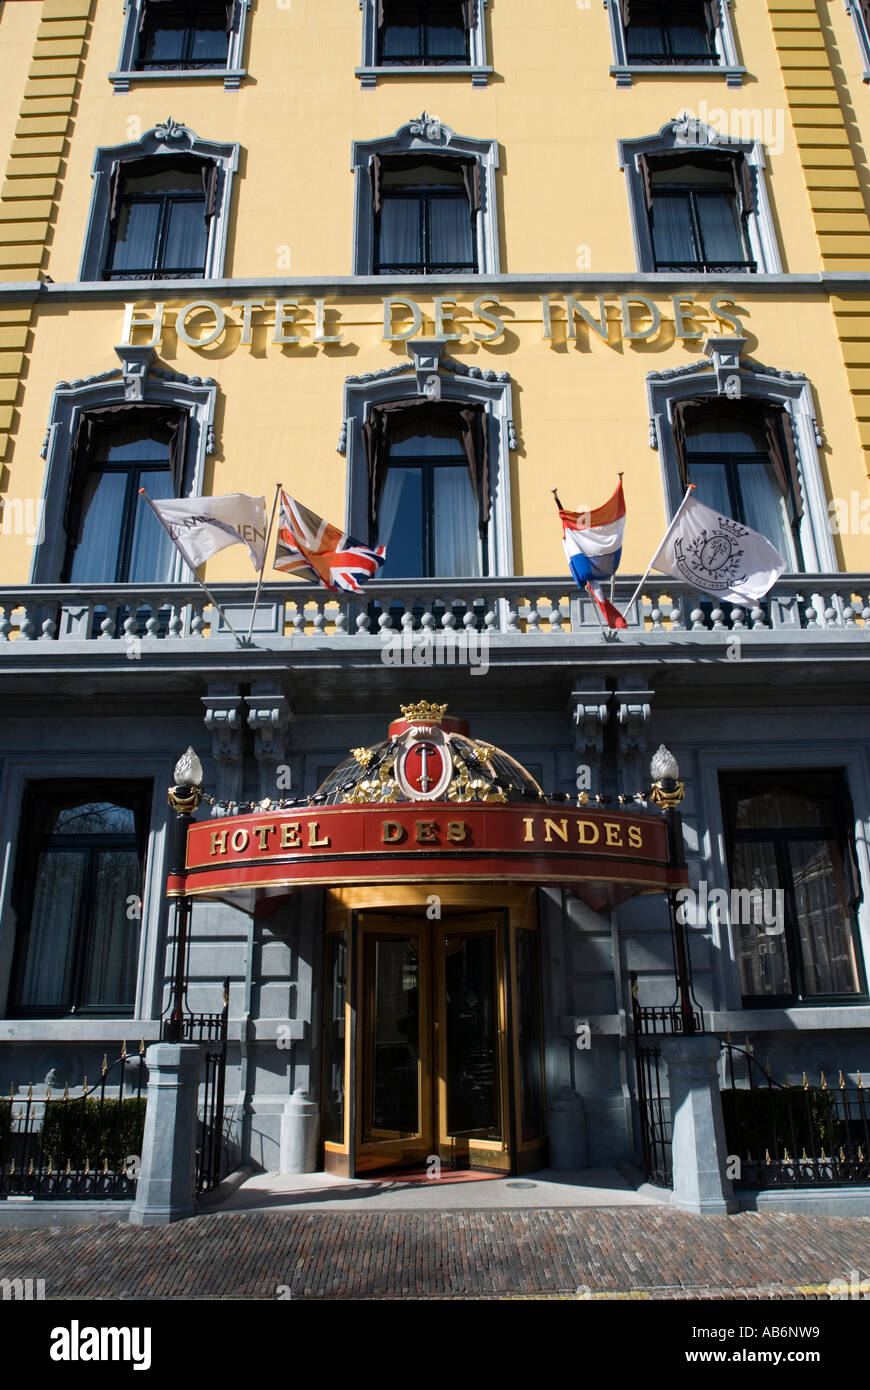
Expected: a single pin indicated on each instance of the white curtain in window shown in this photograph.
(764, 507)
(456, 543)
(672, 230)
(400, 232)
(57, 898)
(450, 231)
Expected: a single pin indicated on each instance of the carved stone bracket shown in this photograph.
(135, 364)
(724, 353)
(589, 712)
(634, 709)
(224, 720)
(269, 716)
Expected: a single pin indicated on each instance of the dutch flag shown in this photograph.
(593, 545)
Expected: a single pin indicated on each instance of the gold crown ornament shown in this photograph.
(424, 712)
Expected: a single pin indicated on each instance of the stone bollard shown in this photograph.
(299, 1125)
(566, 1127)
(166, 1174)
(698, 1145)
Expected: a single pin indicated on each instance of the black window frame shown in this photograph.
(424, 195)
(829, 785)
(701, 264)
(191, 10)
(420, 11)
(167, 198)
(427, 465)
(138, 796)
(662, 12)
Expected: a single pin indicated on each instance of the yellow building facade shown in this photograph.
(634, 239)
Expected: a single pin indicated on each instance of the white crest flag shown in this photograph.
(201, 526)
(718, 555)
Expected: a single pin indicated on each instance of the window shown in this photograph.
(657, 31)
(160, 220)
(166, 40)
(860, 12)
(425, 217)
(435, 38)
(424, 34)
(427, 511)
(184, 36)
(160, 208)
(697, 210)
(425, 203)
(113, 536)
(698, 202)
(82, 851)
(751, 434)
(660, 36)
(742, 462)
(791, 854)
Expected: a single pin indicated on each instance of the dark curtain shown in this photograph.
(469, 420)
(734, 162)
(168, 425)
(685, 12)
(468, 14)
(155, 164)
(772, 420)
(468, 168)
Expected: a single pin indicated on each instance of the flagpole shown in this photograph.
(265, 559)
(209, 595)
(677, 514)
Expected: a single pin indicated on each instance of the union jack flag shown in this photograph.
(308, 546)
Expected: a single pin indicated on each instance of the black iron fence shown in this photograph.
(653, 1101)
(793, 1133)
(213, 1148)
(76, 1146)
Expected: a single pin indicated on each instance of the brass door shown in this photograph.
(431, 1042)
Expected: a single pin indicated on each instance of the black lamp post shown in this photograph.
(184, 798)
(667, 792)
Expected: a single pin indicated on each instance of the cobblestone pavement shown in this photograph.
(638, 1253)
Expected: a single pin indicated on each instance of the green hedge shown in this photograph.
(800, 1120)
(73, 1132)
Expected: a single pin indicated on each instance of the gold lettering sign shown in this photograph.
(614, 319)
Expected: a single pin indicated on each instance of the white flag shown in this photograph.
(718, 555)
(201, 526)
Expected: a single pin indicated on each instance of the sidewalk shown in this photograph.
(640, 1252)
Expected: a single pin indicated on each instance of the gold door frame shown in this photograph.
(516, 907)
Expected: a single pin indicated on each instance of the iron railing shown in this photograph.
(212, 1154)
(75, 1146)
(793, 1133)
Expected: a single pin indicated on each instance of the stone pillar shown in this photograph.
(299, 1124)
(166, 1174)
(698, 1147)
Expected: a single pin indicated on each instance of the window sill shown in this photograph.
(232, 78)
(625, 73)
(479, 75)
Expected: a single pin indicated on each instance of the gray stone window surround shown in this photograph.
(687, 133)
(232, 74)
(721, 375)
(429, 137)
(169, 138)
(433, 374)
(370, 72)
(862, 34)
(772, 753)
(728, 66)
(52, 766)
(137, 380)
